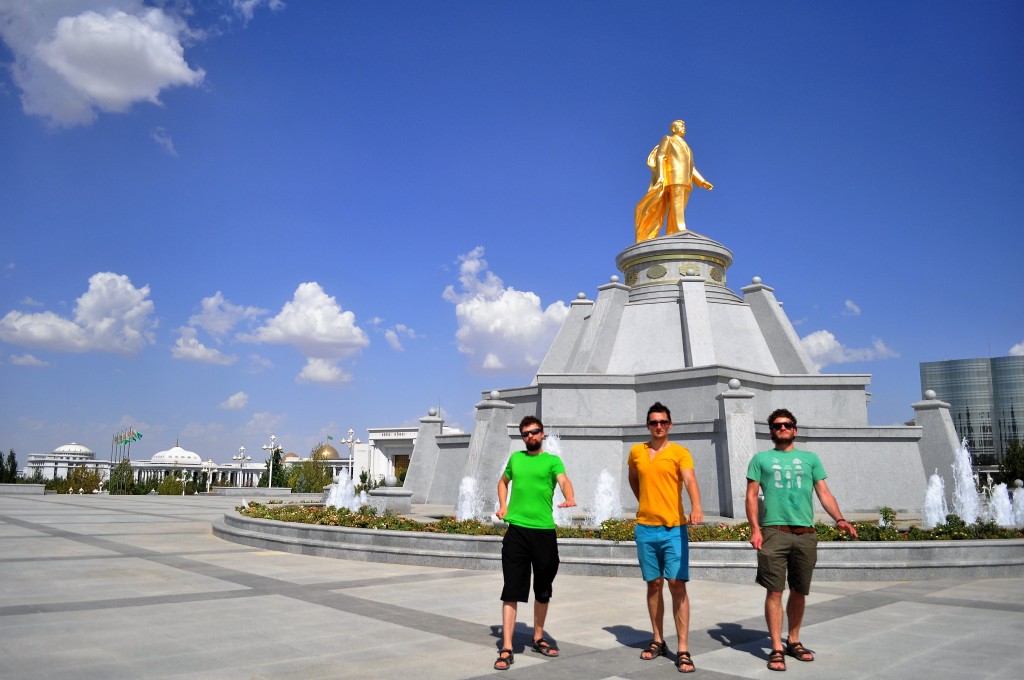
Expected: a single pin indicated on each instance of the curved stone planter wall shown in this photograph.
(720, 561)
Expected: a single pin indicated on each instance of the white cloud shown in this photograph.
(325, 371)
(236, 401)
(112, 316)
(392, 337)
(258, 364)
(163, 140)
(264, 422)
(1017, 350)
(218, 316)
(247, 8)
(27, 360)
(501, 329)
(9, 267)
(825, 349)
(316, 326)
(850, 308)
(395, 334)
(74, 58)
(28, 301)
(189, 348)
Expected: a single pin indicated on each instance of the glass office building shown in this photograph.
(986, 398)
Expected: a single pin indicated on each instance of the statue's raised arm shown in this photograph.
(673, 175)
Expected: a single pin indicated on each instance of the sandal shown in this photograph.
(654, 650)
(504, 662)
(683, 659)
(544, 647)
(777, 657)
(798, 651)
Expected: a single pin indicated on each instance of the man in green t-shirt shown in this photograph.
(785, 539)
(530, 539)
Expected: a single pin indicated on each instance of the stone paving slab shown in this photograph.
(138, 587)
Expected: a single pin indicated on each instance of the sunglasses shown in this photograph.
(530, 433)
(783, 426)
(658, 423)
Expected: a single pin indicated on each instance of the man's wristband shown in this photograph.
(840, 520)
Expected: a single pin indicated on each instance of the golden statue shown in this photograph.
(673, 174)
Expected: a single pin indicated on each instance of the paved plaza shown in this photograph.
(138, 587)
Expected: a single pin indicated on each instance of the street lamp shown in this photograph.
(351, 458)
(208, 468)
(241, 458)
(271, 447)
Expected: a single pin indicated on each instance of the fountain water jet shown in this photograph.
(606, 499)
(965, 490)
(1018, 504)
(470, 505)
(1000, 510)
(342, 493)
(935, 510)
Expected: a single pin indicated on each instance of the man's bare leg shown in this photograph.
(656, 610)
(681, 612)
(508, 623)
(773, 617)
(795, 614)
(540, 615)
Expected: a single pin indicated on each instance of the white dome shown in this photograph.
(177, 456)
(74, 448)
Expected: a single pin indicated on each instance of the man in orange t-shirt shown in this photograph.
(658, 472)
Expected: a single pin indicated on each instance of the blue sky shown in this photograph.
(224, 219)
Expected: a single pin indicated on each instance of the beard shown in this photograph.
(534, 447)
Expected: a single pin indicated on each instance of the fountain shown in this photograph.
(934, 511)
(342, 493)
(999, 509)
(470, 505)
(965, 490)
(1018, 503)
(606, 499)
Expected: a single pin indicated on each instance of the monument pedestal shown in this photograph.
(672, 331)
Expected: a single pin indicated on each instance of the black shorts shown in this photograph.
(522, 549)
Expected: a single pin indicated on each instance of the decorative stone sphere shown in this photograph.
(432, 412)
(691, 272)
(614, 278)
(734, 384)
(1018, 483)
(756, 279)
(581, 296)
(929, 394)
(390, 480)
(495, 394)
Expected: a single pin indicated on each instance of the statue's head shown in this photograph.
(678, 127)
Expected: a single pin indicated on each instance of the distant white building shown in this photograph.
(63, 459)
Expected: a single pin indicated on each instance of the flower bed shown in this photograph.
(619, 530)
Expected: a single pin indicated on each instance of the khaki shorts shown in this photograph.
(783, 552)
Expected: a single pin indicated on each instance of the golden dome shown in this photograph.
(327, 452)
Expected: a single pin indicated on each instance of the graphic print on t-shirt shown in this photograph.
(789, 474)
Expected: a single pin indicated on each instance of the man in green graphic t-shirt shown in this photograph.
(785, 539)
(530, 538)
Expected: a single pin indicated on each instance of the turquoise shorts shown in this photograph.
(663, 552)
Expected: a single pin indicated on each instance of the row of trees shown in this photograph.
(8, 468)
(1011, 467)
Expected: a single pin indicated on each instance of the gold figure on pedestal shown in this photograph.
(673, 175)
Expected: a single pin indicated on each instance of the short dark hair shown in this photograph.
(658, 407)
(530, 420)
(781, 413)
